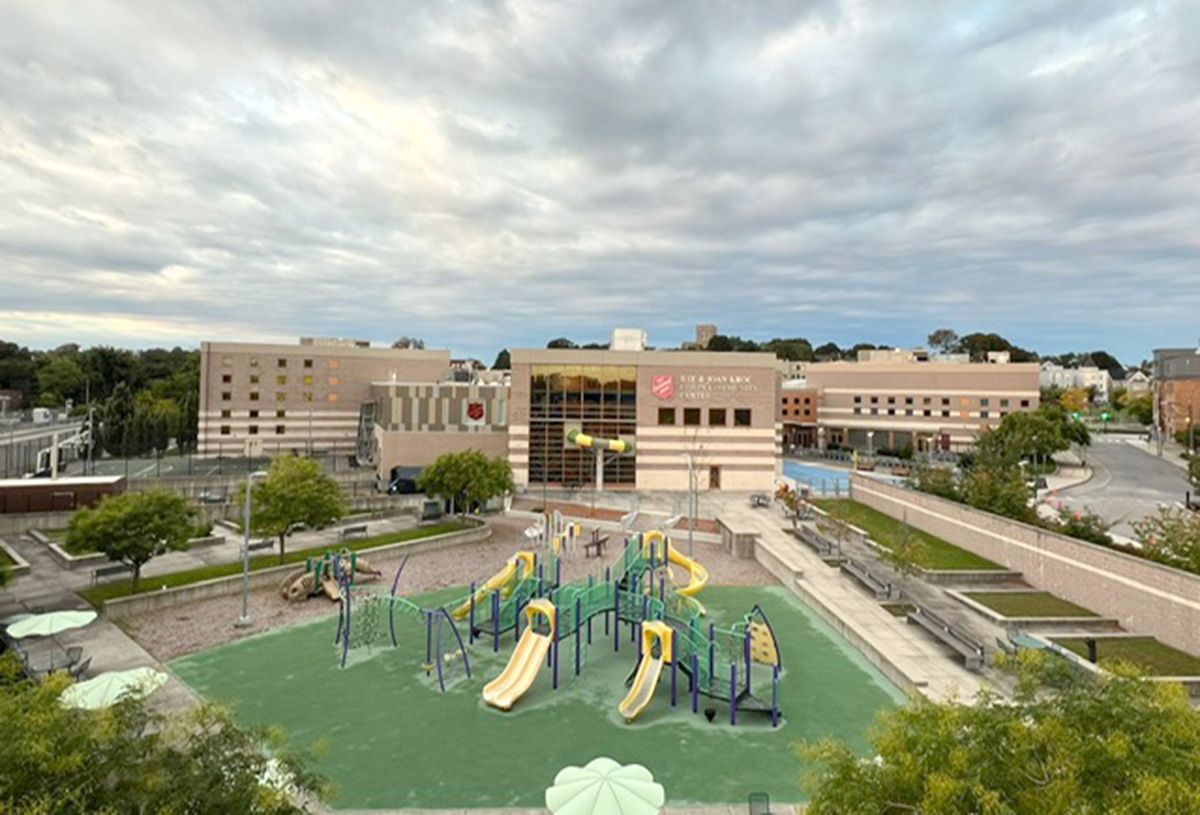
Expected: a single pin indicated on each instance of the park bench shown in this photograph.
(817, 542)
(760, 500)
(595, 547)
(108, 571)
(350, 532)
(258, 545)
(882, 589)
(971, 650)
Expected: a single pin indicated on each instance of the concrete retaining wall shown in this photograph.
(1143, 596)
(224, 586)
(20, 565)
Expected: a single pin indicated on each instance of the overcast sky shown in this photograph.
(488, 174)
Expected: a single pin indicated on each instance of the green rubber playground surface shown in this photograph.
(392, 740)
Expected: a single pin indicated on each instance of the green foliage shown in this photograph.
(978, 345)
(503, 361)
(59, 378)
(561, 342)
(295, 492)
(1139, 408)
(1194, 471)
(1000, 489)
(467, 479)
(906, 553)
(132, 528)
(939, 481)
(943, 339)
(1067, 743)
(130, 759)
(1171, 537)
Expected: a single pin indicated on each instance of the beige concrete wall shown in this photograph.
(417, 449)
(1144, 597)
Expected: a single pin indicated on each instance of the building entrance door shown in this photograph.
(714, 478)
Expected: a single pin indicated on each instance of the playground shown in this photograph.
(491, 688)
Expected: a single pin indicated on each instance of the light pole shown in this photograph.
(244, 620)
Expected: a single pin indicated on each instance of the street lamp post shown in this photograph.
(244, 620)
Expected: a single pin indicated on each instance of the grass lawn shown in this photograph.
(394, 741)
(884, 530)
(5, 560)
(1147, 653)
(96, 595)
(1027, 604)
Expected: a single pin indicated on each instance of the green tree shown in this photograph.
(796, 349)
(409, 342)
(1194, 471)
(905, 553)
(503, 361)
(132, 528)
(1000, 489)
(61, 376)
(295, 493)
(116, 422)
(938, 481)
(130, 758)
(1021, 435)
(1068, 743)
(828, 351)
(943, 339)
(561, 342)
(1140, 408)
(1074, 400)
(17, 370)
(467, 479)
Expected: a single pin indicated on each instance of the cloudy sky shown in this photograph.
(487, 174)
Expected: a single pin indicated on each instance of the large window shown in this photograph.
(741, 417)
(599, 400)
(716, 417)
(666, 416)
(691, 416)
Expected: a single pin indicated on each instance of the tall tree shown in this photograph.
(467, 479)
(118, 435)
(131, 758)
(59, 378)
(503, 361)
(17, 370)
(561, 342)
(295, 492)
(796, 349)
(108, 367)
(409, 342)
(1069, 742)
(132, 528)
(828, 351)
(943, 339)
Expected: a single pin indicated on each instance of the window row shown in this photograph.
(280, 396)
(717, 417)
(281, 362)
(945, 414)
(282, 379)
(253, 414)
(945, 401)
(226, 430)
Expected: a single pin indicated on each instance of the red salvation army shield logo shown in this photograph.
(663, 386)
(475, 411)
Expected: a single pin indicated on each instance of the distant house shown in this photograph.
(1053, 375)
(1136, 382)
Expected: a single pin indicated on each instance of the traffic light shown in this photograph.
(1075, 415)
(1105, 416)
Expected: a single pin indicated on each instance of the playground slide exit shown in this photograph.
(649, 670)
(502, 581)
(527, 659)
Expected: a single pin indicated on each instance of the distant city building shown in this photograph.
(1053, 375)
(704, 334)
(1176, 389)
(628, 339)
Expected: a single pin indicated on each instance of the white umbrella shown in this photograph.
(16, 618)
(107, 689)
(49, 624)
(605, 787)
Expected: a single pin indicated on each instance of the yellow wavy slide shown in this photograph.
(526, 660)
(645, 681)
(502, 581)
(697, 573)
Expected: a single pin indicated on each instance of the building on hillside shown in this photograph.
(265, 398)
(1176, 388)
(704, 334)
(718, 409)
(896, 403)
(1053, 375)
(1135, 381)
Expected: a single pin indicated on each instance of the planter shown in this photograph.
(972, 577)
(20, 565)
(223, 586)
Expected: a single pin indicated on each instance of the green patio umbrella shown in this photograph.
(605, 787)
(50, 623)
(107, 689)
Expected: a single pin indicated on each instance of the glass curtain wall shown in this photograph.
(599, 400)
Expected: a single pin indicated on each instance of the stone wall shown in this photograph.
(1143, 596)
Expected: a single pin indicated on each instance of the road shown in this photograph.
(1127, 484)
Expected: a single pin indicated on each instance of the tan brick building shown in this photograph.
(718, 407)
(892, 404)
(1176, 389)
(264, 399)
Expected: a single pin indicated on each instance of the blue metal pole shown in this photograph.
(775, 696)
(674, 666)
(733, 693)
(496, 622)
(555, 648)
(558, 571)
(639, 639)
(616, 615)
(428, 636)
(470, 617)
(695, 683)
(712, 643)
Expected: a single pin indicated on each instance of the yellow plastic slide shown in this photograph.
(645, 681)
(697, 574)
(525, 662)
(503, 581)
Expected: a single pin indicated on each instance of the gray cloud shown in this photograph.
(497, 173)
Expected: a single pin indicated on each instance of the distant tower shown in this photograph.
(704, 334)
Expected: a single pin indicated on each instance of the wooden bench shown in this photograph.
(882, 589)
(259, 545)
(595, 548)
(971, 650)
(817, 542)
(349, 532)
(108, 571)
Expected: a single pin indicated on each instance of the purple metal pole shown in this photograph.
(674, 665)
(616, 620)
(775, 696)
(578, 644)
(639, 639)
(695, 683)
(428, 636)
(712, 644)
(558, 571)
(662, 588)
(746, 648)
(555, 649)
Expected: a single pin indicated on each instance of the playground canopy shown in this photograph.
(604, 787)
